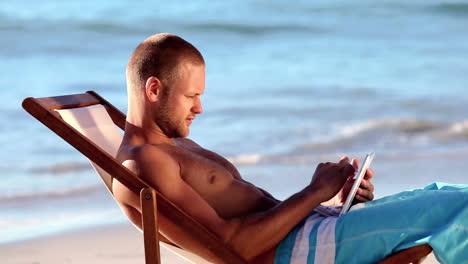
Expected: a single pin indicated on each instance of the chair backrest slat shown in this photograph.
(68, 101)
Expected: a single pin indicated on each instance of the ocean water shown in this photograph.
(289, 85)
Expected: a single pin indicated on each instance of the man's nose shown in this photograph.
(197, 107)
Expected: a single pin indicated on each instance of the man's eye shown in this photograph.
(190, 96)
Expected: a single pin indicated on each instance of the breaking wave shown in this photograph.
(385, 136)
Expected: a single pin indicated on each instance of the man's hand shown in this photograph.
(365, 192)
(329, 178)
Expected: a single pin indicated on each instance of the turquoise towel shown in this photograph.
(437, 214)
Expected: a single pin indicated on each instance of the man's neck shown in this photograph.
(137, 133)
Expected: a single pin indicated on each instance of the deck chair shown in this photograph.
(90, 124)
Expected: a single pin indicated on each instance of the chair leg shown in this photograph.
(150, 225)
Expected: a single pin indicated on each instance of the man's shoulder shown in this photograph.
(187, 141)
(147, 152)
(147, 156)
(153, 164)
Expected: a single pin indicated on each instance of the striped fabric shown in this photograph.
(436, 215)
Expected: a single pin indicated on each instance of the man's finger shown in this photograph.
(369, 174)
(355, 163)
(361, 198)
(364, 196)
(367, 185)
(344, 159)
(348, 169)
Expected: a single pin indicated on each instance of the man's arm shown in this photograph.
(267, 194)
(253, 234)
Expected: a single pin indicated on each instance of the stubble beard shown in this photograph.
(170, 127)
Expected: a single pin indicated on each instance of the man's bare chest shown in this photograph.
(203, 170)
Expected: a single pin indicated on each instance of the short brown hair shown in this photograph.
(160, 56)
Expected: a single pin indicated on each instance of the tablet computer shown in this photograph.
(358, 178)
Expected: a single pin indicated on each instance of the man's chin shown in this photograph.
(183, 134)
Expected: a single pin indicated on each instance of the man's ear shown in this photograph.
(153, 88)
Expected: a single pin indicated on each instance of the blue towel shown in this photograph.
(437, 215)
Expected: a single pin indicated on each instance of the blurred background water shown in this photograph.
(289, 84)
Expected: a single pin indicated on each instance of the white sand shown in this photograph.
(108, 244)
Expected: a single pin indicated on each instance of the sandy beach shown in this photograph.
(107, 244)
(117, 244)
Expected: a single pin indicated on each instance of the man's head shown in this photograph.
(165, 78)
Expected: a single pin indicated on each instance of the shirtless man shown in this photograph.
(165, 81)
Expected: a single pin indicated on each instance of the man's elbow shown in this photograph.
(240, 241)
(250, 254)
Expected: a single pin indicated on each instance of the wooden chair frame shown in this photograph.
(151, 200)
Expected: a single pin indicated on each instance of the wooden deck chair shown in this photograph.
(89, 123)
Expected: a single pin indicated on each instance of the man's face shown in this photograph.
(182, 102)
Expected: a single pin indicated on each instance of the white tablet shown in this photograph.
(358, 178)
